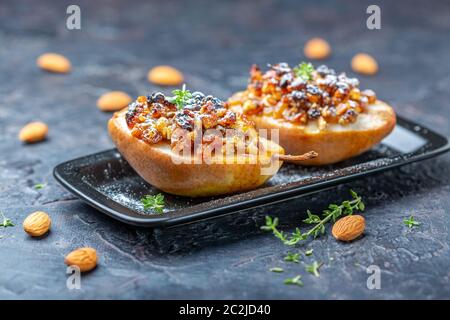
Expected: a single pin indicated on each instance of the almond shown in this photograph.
(54, 62)
(349, 228)
(83, 258)
(33, 132)
(37, 224)
(317, 48)
(165, 76)
(365, 64)
(113, 101)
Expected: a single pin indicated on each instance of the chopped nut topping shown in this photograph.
(155, 118)
(282, 92)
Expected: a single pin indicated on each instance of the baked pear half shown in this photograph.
(315, 109)
(191, 145)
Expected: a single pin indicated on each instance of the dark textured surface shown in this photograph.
(214, 46)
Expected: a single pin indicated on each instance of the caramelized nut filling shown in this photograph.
(156, 118)
(302, 94)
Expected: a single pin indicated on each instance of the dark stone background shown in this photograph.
(214, 44)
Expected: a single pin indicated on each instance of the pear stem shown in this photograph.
(301, 157)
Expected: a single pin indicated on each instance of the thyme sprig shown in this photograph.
(304, 70)
(39, 186)
(6, 222)
(294, 281)
(410, 222)
(314, 268)
(180, 97)
(155, 202)
(332, 213)
(292, 257)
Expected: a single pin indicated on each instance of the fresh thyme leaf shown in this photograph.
(6, 222)
(277, 270)
(314, 268)
(296, 237)
(271, 225)
(294, 281)
(304, 70)
(155, 202)
(180, 97)
(361, 206)
(309, 252)
(292, 257)
(410, 222)
(39, 186)
(312, 218)
(332, 213)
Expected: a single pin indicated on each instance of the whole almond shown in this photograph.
(113, 101)
(33, 132)
(37, 224)
(365, 64)
(54, 62)
(349, 228)
(83, 258)
(317, 48)
(165, 76)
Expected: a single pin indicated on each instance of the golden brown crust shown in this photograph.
(333, 142)
(154, 164)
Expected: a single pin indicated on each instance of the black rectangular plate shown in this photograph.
(106, 181)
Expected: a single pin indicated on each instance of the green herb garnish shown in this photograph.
(271, 225)
(5, 221)
(314, 268)
(309, 252)
(39, 186)
(294, 281)
(277, 269)
(333, 212)
(410, 222)
(304, 70)
(155, 202)
(180, 97)
(292, 257)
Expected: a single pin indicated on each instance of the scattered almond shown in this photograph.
(33, 132)
(165, 76)
(113, 101)
(83, 258)
(37, 224)
(365, 64)
(349, 228)
(54, 62)
(317, 48)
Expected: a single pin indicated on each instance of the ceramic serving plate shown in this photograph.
(106, 181)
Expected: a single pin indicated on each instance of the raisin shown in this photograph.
(158, 97)
(314, 113)
(184, 121)
(285, 80)
(323, 71)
